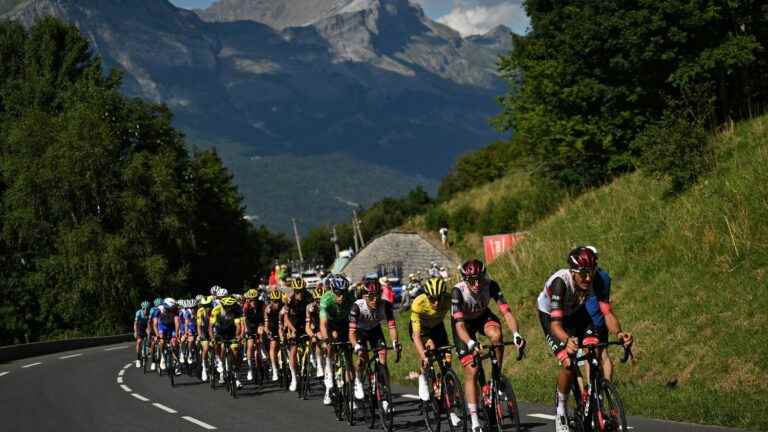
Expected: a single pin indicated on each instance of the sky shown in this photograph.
(466, 16)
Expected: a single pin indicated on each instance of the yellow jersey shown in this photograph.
(218, 310)
(424, 314)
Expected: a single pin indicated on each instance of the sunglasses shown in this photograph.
(472, 280)
(584, 272)
(433, 299)
(372, 296)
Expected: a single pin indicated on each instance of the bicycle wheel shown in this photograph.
(370, 396)
(505, 407)
(156, 356)
(432, 409)
(145, 356)
(232, 373)
(285, 369)
(307, 372)
(609, 411)
(384, 398)
(453, 402)
(170, 365)
(577, 420)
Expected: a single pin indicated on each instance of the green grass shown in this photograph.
(690, 281)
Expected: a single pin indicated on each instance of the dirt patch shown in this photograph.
(741, 373)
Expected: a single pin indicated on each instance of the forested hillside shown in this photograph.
(102, 205)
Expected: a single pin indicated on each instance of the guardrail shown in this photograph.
(15, 352)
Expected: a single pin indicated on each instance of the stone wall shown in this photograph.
(397, 252)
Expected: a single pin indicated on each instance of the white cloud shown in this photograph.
(479, 19)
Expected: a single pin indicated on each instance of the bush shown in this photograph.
(464, 220)
(676, 147)
(436, 218)
(501, 217)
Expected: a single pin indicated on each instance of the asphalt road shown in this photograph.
(99, 389)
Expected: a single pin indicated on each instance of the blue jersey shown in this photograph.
(602, 288)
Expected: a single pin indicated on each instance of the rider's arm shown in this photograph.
(308, 322)
(391, 324)
(416, 328)
(457, 312)
(136, 327)
(176, 322)
(353, 314)
(558, 290)
(498, 296)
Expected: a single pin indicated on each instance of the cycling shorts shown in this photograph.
(480, 325)
(578, 324)
(436, 334)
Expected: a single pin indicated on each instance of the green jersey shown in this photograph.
(333, 312)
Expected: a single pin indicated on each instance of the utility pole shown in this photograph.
(356, 225)
(354, 235)
(335, 240)
(298, 241)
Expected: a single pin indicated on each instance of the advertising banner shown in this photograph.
(496, 245)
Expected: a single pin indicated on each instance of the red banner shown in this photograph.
(496, 245)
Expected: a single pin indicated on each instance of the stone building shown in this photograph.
(398, 254)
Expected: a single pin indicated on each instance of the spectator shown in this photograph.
(444, 236)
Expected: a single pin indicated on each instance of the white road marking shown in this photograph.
(122, 371)
(410, 396)
(126, 388)
(165, 408)
(4, 373)
(543, 416)
(116, 348)
(198, 422)
(119, 380)
(139, 397)
(31, 364)
(70, 356)
(127, 366)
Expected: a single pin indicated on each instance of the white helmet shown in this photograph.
(214, 289)
(222, 292)
(169, 302)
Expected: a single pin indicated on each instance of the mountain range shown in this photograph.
(317, 106)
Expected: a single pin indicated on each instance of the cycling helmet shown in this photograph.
(593, 249)
(318, 292)
(145, 304)
(275, 295)
(169, 302)
(298, 283)
(198, 298)
(158, 301)
(193, 303)
(582, 258)
(435, 287)
(472, 269)
(222, 292)
(206, 301)
(372, 288)
(228, 302)
(251, 294)
(337, 282)
(215, 289)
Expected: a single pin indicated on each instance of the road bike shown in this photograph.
(342, 389)
(377, 390)
(497, 396)
(446, 394)
(596, 404)
(231, 371)
(146, 354)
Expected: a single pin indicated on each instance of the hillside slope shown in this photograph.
(689, 280)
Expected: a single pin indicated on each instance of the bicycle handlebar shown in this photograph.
(387, 348)
(627, 350)
(479, 357)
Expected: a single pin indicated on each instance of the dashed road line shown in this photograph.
(543, 416)
(126, 388)
(410, 396)
(31, 364)
(127, 366)
(165, 408)
(139, 397)
(122, 371)
(119, 380)
(70, 356)
(4, 373)
(199, 423)
(116, 348)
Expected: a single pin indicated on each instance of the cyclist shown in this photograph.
(203, 315)
(426, 327)
(154, 312)
(471, 314)
(294, 320)
(140, 324)
(575, 307)
(272, 327)
(313, 327)
(167, 326)
(365, 332)
(335, 305)
(188, 329)
(228, 329)
(253, 323)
